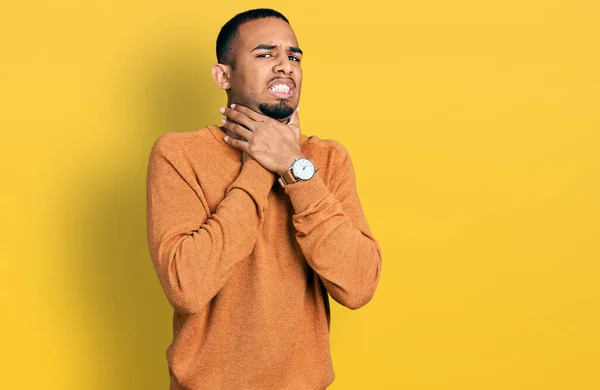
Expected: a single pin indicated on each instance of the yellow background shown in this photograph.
(474, 130)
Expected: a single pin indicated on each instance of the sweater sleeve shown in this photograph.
(334, 236)
(194, 253)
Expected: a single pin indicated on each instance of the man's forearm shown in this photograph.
(335, 238)
(194, 253)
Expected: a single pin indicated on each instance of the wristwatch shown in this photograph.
(302, 169)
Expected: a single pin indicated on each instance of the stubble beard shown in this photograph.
(277, 111)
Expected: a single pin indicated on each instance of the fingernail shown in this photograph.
(221, 110)
(226, 138)
(223, 121)
(233, 105)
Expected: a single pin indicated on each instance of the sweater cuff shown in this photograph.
(307, 192)
(256, 180)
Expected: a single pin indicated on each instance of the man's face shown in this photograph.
(267, 76)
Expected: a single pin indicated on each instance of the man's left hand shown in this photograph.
(272, 144)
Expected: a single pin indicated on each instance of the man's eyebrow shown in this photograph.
(292, 49)
(295, 50)
(264, 47)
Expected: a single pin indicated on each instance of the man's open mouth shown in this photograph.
(282, 88)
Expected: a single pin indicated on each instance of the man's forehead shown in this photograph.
(269, 31)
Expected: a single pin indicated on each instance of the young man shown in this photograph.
(253, 224)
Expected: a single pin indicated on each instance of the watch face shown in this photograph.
(303, 169)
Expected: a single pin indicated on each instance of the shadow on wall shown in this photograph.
(125, 313)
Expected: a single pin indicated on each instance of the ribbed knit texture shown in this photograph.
(247, 265)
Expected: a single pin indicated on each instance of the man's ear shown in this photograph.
(221, 74)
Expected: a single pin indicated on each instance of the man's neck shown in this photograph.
(285, 121)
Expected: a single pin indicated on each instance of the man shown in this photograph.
(251, 225)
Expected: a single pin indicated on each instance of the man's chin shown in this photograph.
(279, 110)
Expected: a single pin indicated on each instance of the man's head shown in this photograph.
(259, 63)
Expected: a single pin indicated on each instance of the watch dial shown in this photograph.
(303, 169)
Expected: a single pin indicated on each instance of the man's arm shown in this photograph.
(334, 235)
(194, 253)
(331, 228)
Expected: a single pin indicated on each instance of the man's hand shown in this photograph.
(273, 144)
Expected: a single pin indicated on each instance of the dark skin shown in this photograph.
(273, 144)
(266, 53)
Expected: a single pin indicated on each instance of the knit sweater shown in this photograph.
(248, 266)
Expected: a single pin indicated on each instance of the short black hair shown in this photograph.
(230, 29)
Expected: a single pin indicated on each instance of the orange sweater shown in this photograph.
(248, 265)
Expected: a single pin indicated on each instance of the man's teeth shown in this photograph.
(282, 88)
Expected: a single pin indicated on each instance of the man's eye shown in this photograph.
(293, 58)
(264, 55)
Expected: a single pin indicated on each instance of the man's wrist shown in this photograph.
(291, 162)
(301, 169)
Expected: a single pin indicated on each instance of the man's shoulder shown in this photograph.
(185, 140)
(323, 148)
(174, 138)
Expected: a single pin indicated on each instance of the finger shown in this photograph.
(238, 129)
(237, 143)
(295, 119)
(294, 123)
(255, 116)
(238, 117)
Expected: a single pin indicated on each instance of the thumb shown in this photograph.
(295, 119)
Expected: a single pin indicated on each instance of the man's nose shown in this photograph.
(284, 65)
